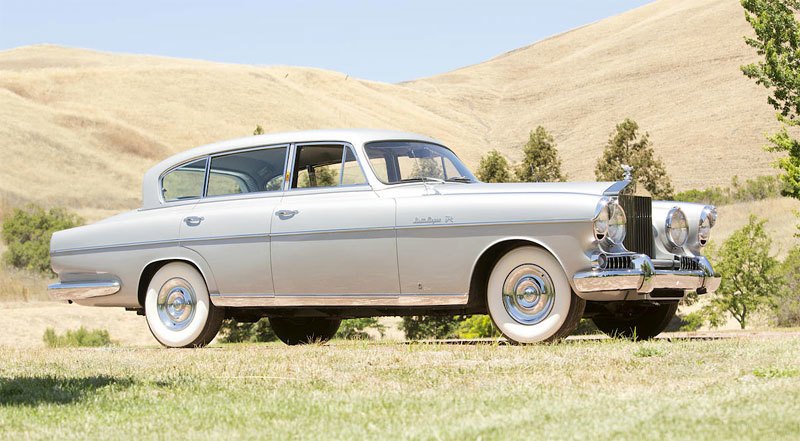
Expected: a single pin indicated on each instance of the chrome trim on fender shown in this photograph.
(267, 300)
(644, 278)
(82, 290)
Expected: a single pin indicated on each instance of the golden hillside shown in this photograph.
(79, 127)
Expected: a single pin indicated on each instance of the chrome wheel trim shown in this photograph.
(528, 294)
(176, 304)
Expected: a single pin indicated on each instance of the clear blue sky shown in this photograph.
(378, 40)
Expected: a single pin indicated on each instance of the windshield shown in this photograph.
(412, 161)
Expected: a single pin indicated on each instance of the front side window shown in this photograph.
(184, 182)
(396, 162)
(247, 172)
(326, 166)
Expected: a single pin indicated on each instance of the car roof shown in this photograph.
(357, 137)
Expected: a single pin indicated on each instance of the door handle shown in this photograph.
(193, 221)
(286, 214)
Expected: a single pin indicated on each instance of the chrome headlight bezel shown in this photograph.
(609, 222)
(676, 227)
(708, 217)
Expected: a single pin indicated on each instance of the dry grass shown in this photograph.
(80, 127)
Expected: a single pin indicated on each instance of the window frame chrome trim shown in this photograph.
(170, 170)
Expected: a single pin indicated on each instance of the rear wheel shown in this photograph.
(638, 323)
(304, 330)
(177, 307)
(529, 297)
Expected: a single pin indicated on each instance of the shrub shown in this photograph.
(81, 337)
(478, 326)
(356, 329)
(760, 188)
(540, 162)
(27, 233)
(424, 327)
(692, 321)
(233, 331)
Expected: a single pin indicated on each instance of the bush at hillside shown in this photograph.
(233, 331)
(478, 326)
(356, 329)
(27, 233)
(760, 188)
(81, 337)
(431, 327)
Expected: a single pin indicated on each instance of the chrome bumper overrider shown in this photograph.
(644, 278)
(82, 290)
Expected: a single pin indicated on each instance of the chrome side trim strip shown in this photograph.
(115, 247)
(269, 300)
(491, 224)
(82, 290)
(227, 237)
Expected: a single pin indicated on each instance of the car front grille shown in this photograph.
(689, 264)
(619, 262)
(639, 226)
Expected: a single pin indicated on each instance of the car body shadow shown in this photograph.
(34, 391)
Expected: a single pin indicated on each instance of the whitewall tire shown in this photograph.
(530, 299)
(178, 309)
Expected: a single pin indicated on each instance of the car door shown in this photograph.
(332, 236)
(230, 225)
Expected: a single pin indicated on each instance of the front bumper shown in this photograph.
(643, 278)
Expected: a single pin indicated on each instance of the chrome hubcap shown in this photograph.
(528, 294)
(176, 304)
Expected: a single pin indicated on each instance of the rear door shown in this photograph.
(230, 226)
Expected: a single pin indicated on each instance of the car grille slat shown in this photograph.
(639, 225)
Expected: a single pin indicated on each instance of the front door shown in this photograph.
(333, 238)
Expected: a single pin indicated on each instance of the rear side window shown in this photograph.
(247, 172)
(184, 182)
(326, 166)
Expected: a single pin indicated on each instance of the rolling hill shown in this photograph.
(78, 128)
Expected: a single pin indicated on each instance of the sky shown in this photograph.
(388, 41)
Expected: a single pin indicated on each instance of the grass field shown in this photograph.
(746, 388)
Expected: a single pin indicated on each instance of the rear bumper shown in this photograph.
(644, 278)
(82, 290)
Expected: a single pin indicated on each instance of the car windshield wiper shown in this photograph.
(459, 179)
(423, 179)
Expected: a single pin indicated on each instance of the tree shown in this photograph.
(27, 233)
(627, 146)
(494, 168)
(356, 329)
(259, 130)
(426, 168)
(540, 162)
(750, 281)
(788, 311)
(777, 40)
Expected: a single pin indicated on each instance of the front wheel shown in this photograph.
(529, 297)
(177, 307)
(637, 323)
(304, 330)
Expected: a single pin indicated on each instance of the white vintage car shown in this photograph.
(312, 227)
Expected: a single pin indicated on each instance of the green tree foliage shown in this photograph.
(477, 326)
(233, 331)
(627, 146)
(429, 327)
(80, 337)
(540, 162)
(27, 233)
(787, 312)
(494, 168)
(757, 189)
(259, 130)
(750, 280)
(777, 40)
(427, 168)
(356, 329)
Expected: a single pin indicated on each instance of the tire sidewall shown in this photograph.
(188, 336)
(553, 323)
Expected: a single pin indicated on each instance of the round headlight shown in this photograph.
(609, 223)
(708, 217)
(677, 228)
